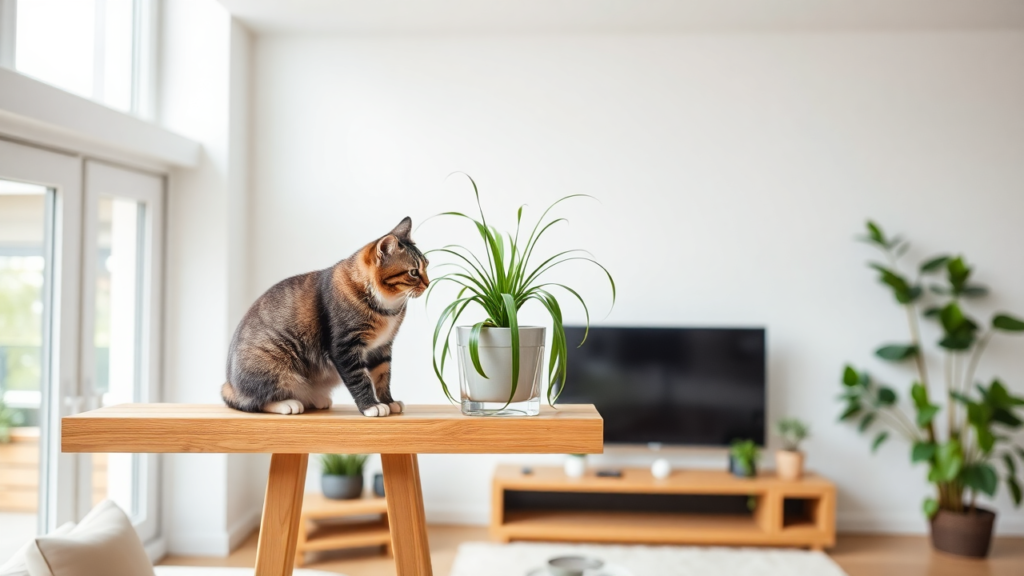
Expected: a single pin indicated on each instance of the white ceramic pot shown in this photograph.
(575, 466)
(789, 464)
(488, 395)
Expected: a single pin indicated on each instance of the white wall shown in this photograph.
(733, 172)
(212, 501)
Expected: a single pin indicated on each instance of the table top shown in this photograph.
(420, 429)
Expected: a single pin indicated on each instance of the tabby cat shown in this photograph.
(310, 332)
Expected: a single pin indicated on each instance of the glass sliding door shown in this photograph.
(40, 230)
(120, 354)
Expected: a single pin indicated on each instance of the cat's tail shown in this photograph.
(237, 401)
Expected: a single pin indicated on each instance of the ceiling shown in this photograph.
(626, 16)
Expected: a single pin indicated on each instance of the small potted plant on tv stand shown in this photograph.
(789, 462)
(501, 362)
(342, 475)
(743, 457)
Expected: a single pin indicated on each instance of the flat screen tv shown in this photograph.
(690, 386)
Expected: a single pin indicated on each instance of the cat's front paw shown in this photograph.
(284, 407)
(377, 411)
(323, 404)
(397, 407)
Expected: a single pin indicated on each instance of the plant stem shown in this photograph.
(976, 357)
(894, 420)
(922, 370)
(950, 386)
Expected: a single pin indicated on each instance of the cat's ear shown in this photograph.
(403, 229)
(386, 246)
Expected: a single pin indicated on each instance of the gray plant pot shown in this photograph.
(738, 471)
(378, 484)
(341, 487)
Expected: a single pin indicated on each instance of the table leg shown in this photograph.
(282, 508)
(405, 514)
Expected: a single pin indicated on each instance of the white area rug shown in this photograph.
(202, 571)
(522, 558)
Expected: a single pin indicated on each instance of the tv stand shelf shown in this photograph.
(706, 507)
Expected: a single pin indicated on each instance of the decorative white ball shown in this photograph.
(575, 466)
(661, 469)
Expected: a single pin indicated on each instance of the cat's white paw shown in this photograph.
(323, 404)
(284, 407)
(397, 407)
(377, 410)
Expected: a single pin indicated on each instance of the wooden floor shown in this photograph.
(859, 555)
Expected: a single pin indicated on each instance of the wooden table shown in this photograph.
(202, 428)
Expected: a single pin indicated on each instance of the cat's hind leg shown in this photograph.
(290, 406)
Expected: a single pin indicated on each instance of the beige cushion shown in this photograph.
(102, 544)
(16, 565)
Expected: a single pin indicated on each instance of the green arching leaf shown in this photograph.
(919, 394)
(881, 437)
(896, 352)
(875, 234)
(1011, 466)
(930, 506)
(852, 410)
(926, 414)
(932, 312)
(1015, 491)
(850, 376)
(934, 264)
(949, 459)
(1008, 323)
(986, 440)
(513, 324)
(980, 477)
(958, 273)
(866, 421)
(474, 347)
(886, 396)
(1020, 452)
(974, 291)
(922, 451)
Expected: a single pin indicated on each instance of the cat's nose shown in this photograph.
(423, 279)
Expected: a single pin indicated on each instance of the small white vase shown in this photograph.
(489, 396)
(575, 466)
(661, 469)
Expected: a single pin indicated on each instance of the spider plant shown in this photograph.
(343, 464)
(501, 283)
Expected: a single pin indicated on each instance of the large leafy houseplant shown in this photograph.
(962, 453)
(501, 282)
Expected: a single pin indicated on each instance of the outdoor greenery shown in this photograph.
(501, 283)
(9, 418)
(342, 464)
(978, 419)
(745, 454)
(793, 431)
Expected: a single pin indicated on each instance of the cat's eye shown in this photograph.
(414, 273)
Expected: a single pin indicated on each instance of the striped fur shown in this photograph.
(311, 332)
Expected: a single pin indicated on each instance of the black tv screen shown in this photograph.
(691, 386)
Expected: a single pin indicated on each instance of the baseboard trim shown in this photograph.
(456, 513)
(240, 530)
(156, 549)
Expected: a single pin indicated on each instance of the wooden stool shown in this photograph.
(214, 428)
(316, 506)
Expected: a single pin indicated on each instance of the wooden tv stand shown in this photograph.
(638, 508)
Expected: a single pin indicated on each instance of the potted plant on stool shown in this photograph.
(743, 457)
(789, 462)
(980, 419)
(342, 475)
(500, 361)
